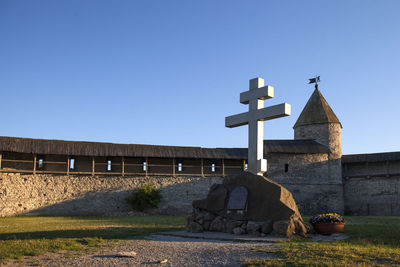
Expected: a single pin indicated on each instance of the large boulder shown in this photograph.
(248, 203)
(266, 200)
(215, 200)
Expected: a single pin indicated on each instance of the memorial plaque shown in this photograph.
(238, 199)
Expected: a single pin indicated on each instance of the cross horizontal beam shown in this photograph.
(264, 114)
(257, 93)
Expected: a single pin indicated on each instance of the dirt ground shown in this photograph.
(176, 250)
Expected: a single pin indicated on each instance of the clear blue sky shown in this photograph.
(168, 72)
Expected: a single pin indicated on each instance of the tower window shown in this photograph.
(213, 167)
(179, 167)
(144, 166)
(286, 167)
(71, 164)
(108, 165)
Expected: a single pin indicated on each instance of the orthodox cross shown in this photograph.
(255, 118)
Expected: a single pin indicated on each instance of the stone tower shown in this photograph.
(317, 121)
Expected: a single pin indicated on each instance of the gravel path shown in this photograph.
(178, 251)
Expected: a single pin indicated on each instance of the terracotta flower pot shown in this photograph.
(328, 228)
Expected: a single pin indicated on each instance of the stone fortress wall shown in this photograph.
(83, 195)
(318, 181)
(305, 176)
(40, 184)
(366, 187)
(369, 188)
(372, 186)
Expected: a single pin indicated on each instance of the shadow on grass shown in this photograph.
(383, 235)
(105, 233)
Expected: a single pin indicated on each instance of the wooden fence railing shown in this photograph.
(36, 168)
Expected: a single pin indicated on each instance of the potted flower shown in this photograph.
(328, 223)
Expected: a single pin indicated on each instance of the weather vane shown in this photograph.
(315, 80)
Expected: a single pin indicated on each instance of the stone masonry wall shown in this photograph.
(54, 195)
(314, 180)
(325, 133)
(372, 188)
(378, 196)
(318, 184)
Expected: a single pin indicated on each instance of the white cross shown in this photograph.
(255, 118)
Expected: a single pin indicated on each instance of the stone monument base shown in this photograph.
(247, 204)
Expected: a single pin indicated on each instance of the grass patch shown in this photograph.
(374, 241)
(30, 236)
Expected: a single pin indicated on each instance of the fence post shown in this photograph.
(34, 164)
(68, 162)
(147, 166)
(123, 166)
(387, 169)
(202, 168)
(223, 168)
(93, 166)
(173, 167)
(1, 157)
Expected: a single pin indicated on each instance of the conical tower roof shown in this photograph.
(316, 111)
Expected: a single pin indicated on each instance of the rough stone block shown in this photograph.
(253, 228)
(194, 227)
(284, 227)
(230, 225)
(267, 227)
(217, 225)
(239, 231)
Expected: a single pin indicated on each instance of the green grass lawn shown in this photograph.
(374, 241)
(31, 236)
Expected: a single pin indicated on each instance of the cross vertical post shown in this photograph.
(256, 128)
(255, 118)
